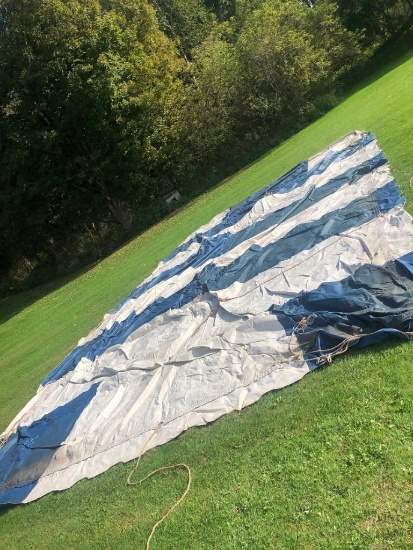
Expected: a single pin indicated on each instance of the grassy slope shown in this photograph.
(324, 464)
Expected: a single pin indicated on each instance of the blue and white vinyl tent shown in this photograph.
(320, 260)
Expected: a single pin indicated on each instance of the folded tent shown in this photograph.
(316, 262)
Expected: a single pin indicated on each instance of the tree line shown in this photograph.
(107, 105)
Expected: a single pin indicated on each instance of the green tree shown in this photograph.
(213, 106)
(378, 19)
(88, 94)
(280, 62)
(187, 22)
(223, 9)
(291, 54)
(340, 45)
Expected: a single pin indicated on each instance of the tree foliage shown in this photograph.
(87, 94)
(107, 104)
(378, 19)
(187, 22)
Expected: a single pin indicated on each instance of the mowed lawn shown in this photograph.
(326, 463)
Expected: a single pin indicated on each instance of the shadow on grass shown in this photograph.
(20, 300)
(5, 508)
(374, 69)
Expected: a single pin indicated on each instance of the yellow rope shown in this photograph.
(161, 469)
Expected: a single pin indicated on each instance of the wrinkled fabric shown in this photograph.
(249, 303)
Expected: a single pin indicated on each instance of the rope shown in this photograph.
(161, 469)
(5, 437)
(338, 349)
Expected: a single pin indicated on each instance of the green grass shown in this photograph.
(326, 463)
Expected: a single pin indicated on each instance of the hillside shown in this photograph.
(323, 464)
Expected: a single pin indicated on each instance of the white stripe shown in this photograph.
(341, 198)
(272, 201)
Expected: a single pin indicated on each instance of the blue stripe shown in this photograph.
(254, 261)
(213, 245)
(375, 299)
(24, 461)
(406, 262)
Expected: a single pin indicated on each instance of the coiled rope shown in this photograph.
(161, 469)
